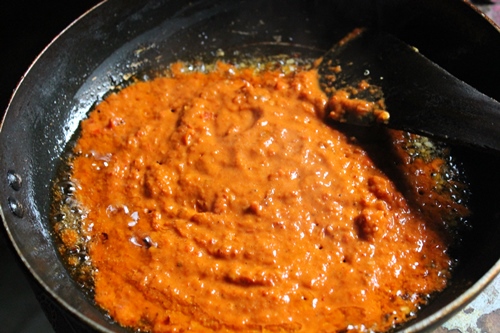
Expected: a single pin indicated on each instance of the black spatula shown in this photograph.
(420, 96)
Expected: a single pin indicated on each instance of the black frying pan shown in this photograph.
(122, 37)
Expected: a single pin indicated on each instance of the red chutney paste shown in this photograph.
(222, 202)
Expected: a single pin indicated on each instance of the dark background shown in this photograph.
(26, 28)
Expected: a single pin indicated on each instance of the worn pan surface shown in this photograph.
(122, 37)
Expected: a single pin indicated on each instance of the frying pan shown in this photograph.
(119, 38)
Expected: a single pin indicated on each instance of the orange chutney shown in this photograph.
(221, 201)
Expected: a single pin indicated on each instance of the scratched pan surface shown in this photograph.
(123, 37)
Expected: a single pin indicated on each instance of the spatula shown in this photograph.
(419, 96)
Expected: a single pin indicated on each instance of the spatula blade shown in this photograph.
(420, 96)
